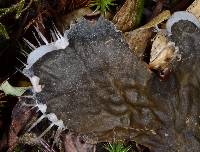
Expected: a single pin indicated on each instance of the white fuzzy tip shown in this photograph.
(42, 108)
(60, 42)
(52, 117)
(60, 124)
(35, 82)
(181, 15)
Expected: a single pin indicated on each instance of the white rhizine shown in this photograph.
(35, 82)
(181, 15)
(52, 118)
(60, 42)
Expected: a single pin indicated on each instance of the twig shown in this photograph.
(47, 147)
(29, 4)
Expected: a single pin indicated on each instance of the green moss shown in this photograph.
(139, 11)
(102, 5)
(3, 31)
(116, 147)
(17, 8)
(13, 8)
(17, 149)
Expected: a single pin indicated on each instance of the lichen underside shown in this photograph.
(103, 91)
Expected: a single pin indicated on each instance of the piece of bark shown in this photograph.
(138, 40)
(125, 18)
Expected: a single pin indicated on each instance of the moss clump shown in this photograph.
(102, 5)
(17, 8)
(117, 147)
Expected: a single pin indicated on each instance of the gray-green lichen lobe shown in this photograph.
(103, 91)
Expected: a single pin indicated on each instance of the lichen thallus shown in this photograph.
(58, 42)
